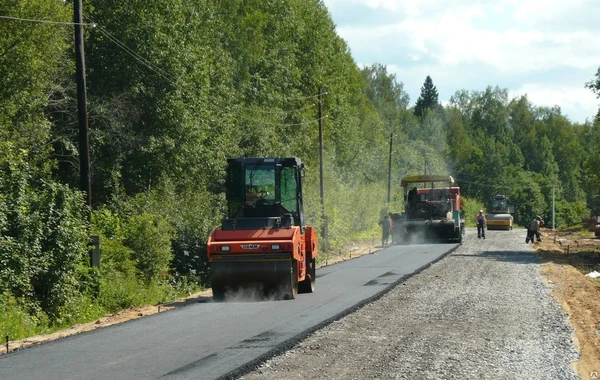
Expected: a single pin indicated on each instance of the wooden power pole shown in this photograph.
(390, 170)
(324, 219)
(85, 178)
(85, 175)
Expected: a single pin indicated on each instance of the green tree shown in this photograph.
(44, 237)
(32, 56)
(592, 168)
(428, 98)
(594, 85)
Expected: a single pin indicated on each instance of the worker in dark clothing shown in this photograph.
(385, 230)
(395, 227)
(481, 222)
(533, 230)
(413, 198)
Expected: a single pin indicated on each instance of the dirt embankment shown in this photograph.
(567, 257)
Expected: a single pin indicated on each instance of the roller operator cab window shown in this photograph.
(289, 191)
(260, 185)
(499, 204)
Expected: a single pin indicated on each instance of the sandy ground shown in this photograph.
(566, 256)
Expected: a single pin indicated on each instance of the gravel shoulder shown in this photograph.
(483, 312)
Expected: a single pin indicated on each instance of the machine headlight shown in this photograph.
(225, 248)
(275, 247)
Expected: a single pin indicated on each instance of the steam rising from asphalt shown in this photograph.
(254, 292)
(414, 237)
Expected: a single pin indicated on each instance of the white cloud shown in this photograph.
(452, 39)
(544, 10)
(510, 40)
(577, 102)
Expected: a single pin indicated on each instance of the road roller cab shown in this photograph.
(263, 244)
(501, 214)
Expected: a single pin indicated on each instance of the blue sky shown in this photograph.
(547, 49)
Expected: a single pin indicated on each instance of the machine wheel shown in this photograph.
(292, 291)
(308, 285)
(218, 293)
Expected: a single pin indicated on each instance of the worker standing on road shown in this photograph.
(413, 198)
(385, 230)
(481, 222)
(534, 230)
(395, 227)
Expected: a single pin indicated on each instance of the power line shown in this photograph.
(457, 179)
(278, 111)
(135, 55)
(480, 184)
(173, 80)
(47, 21)
(291, 124)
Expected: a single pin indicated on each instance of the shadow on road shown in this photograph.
(519, 257)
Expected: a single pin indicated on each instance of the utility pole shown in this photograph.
(553, 208)
(390, 169)
(85, 181)
(323, 217)
(85, 176)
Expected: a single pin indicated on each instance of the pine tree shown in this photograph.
(428, 98)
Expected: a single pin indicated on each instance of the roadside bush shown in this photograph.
(123, 284)
(469, 209)
(16, 322)
(115, 256)
(191, 213)
(149, 238)
(44, 237)
(119, 291)
(352, 210)
(568, 214)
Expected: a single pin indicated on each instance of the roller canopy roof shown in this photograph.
(285, 161)
(427, 178)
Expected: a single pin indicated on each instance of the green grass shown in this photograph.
(18, 321)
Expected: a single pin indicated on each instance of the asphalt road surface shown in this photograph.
(211, 340)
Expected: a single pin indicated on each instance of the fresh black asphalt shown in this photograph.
(211, 340)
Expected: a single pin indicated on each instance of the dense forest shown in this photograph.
(176, 87)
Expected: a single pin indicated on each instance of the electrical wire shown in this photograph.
(173, 80)
(138, 57)
(457, 179)
(497, 186)
(279, 111)
(291, 124)
(47, 21)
